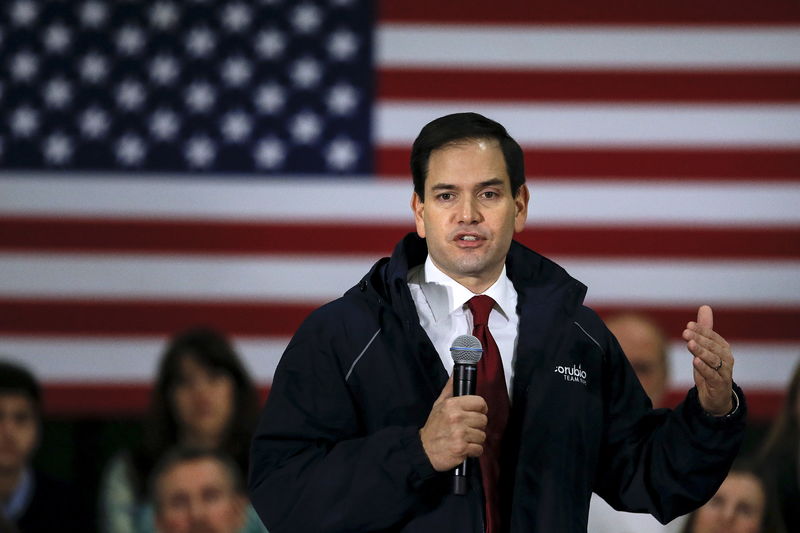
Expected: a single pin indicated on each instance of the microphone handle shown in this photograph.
(464, 381)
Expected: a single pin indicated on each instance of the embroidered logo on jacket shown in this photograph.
(572, 373)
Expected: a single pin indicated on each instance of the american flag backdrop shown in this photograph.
(237, 164)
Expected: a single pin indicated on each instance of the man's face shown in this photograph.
(469, 215)
(198, 496)
(19, 431)
(643, 347)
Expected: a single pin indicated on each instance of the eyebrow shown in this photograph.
(450, 187)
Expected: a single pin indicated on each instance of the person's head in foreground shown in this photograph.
(20, 412)
(645, 345)
(741, 505)
(198, 491)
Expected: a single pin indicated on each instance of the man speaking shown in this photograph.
(361, 430)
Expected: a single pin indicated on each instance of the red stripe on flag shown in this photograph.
(132, 399)
(733, 323)
(511, 12)
(101, 400)
(147, 318)
(425, 84)
(687, 164)
(190, 237)
(211, 238)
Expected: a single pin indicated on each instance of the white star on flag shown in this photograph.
(269, 153)
(305, 127)
(130, 40)
(306, 18)
(164, 124)
(24, 121)
(57, 149)
(236, 17)
(200, 151)
(57, 38)
(270, 98)
(94, 123)
(200, 42)
(236, 126)
(93, 14)
(131, 150)
(306, 73)
(270, 43)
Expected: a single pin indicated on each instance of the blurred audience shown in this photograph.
(203, 398)
(196, 490)
(645, 345)
(30, 501)
(779, 457)
(741, 505)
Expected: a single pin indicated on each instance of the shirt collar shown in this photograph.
(445, 295)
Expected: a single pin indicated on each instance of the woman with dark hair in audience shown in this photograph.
(779, 457)
(202, 398)
(743, 504)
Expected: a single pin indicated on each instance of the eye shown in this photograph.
(445, 196)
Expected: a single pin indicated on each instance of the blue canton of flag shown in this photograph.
(273, 87)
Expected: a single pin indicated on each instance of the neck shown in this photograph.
(9, 480)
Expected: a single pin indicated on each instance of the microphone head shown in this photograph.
(466, 350)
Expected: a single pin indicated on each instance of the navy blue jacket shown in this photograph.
(338, 447)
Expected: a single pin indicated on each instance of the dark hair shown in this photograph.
(179, 455)
(16, 379)
(212, 350)
(771, 519)
(451, 129)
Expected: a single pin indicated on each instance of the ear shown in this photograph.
(418, 207)
(521, 208)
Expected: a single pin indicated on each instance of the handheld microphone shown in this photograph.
(466, 351)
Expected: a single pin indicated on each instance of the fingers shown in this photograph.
(455, 429)
(705, 317)
(709, 347)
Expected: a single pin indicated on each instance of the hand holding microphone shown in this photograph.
(455, 429)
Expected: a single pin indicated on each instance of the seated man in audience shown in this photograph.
(645, 345)
(200, 490)
(30, 501)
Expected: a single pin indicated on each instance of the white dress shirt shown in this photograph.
(441, 304)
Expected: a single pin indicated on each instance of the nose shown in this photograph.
(469, 210)
(727, 514)
(197, 511)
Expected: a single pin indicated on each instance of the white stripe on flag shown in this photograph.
(603, 125)
(110, 359)
(310, 200)
(564, 47)
(298, 279)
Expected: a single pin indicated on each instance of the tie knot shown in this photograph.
(480, 306)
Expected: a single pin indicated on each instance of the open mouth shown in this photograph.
(469, 239)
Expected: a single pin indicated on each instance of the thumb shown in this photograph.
(447, 391)
(705, 317)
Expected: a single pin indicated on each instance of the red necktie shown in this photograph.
(492, 386)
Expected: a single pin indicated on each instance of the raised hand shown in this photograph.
(713, 363)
